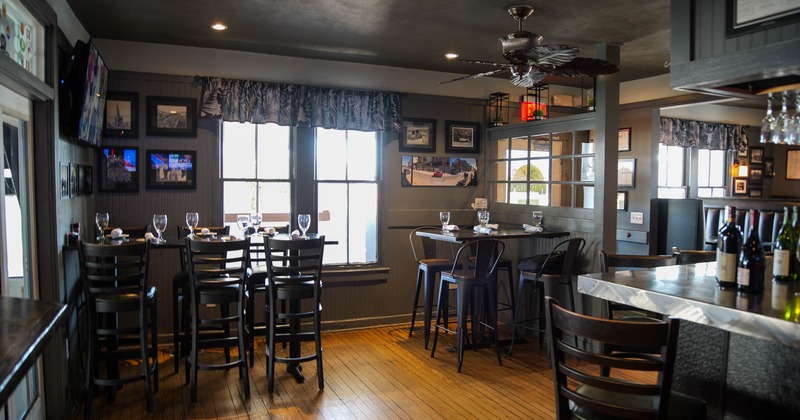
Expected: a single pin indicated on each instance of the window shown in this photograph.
(671, 171)
(711, 170)
(260, 174)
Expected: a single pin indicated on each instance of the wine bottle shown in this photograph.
(750, 272)
(728, 243)
(796, 229)
(784, 264)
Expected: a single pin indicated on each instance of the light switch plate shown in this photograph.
(637, 218)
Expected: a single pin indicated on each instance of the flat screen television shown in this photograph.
(171, 169)
(82, 94)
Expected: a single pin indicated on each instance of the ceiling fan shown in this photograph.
(530, 62)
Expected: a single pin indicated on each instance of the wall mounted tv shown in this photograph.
(82, 94)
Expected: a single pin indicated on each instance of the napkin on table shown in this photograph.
(450, 228)
(530, 228)
(116, 233)
(296, 234)
(150, 237)
(269, 231)
(205, 231)
(484, 229)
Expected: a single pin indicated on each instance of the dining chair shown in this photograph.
(256, 285)
(627, 262)
(294, 270)
(650, 348)
(217, 276)
(180, 295)
(479, 276)
(115, 283)
(428, 267)
(547, 276)
(685, 256)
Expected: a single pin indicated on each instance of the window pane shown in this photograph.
(500, 149)
(703, 169)
(362, 152)
(539, 195)
(519, 147)
(561, 195)
(540, 169)
(664, 192)
(562, 144)
(501, 170)
(562, 169)
(331, 154)
(518, 193)
(274, 154)
(274, 203)
(238, 198)
(238, 150)
(717, 168)
(501, 190)
(584, 138)
(332, 204)
(363, 223)
(540, 146)
(587, 169)
(675, 176)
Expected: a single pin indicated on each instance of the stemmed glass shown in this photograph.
(192, 219)
(537, 218)
(444, 217)
(767, 123)
(483, 217)
(779, 127)
(242, 221)
(304, 221)
(793, 130)
(255, 221)
(160, 225)
(101, 219)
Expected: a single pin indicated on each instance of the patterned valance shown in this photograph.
(287, 104)
(702, 135)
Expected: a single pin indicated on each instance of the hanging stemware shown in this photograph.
(793, 129)
(767, 122)
(779, 128)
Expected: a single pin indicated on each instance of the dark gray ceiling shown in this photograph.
(399, 33)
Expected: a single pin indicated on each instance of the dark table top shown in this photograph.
(467, 234)
(690, 292)
(25, 328)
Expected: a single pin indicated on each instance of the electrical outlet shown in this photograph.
(637, 218)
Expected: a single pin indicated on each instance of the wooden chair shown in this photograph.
(257, 284)
(217, 276)
(482, 274)
(295, 276)
(547, 276)
(428, 267)
(115, 281)
(581, 393)
(685, 256)
(180, 296)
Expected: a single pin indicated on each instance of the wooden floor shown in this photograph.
(371, 373)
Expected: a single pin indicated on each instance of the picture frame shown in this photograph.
(418, 135)
(740, 186)
(118, 169)
(171, 169)
(756, 176)
(168, 116)
(742, 152)
(438, 171)
(793, 164)
(626, 173)
(122, 115)
(462, 137)
(756, 192)
(624, 139)
(769, 167)
(622, 200)
(73, 180)
(64, 180)
(743, 16)
(756, 155)
(87, 179)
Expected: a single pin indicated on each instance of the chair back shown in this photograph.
(115, 269)
(627, 261)
(485, 254)
(295, 261)
(572, 248)
(686, 256)
(183, 232)
(578, 382)
(131, 231)
(217, 264)
(424, 248)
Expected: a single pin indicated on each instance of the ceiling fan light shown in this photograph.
(219, 26)
(451, 56)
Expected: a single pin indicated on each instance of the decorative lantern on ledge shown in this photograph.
(498, 109)
(533, 105)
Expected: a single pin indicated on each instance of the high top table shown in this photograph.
(739, 352)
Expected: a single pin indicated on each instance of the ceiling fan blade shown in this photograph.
(488, 63)
(477, 75)
(582, 66)
(552, 55)
(528, 79)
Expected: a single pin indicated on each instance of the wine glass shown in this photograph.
(242, 221)
(192, 219)
(767, 122)
(483, 217)
(304, 221)
(255, 221)
(101, 219)
(160, 225)
(537, 218)
(779, 127)
(444, 217)
(793, 131)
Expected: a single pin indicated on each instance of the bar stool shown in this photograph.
(115, 281)
(685, 256)
(428, 266)
(628, 261)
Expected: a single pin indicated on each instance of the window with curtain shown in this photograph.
(672, 171)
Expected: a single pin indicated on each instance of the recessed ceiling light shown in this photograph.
(450, 56)
(219, 27)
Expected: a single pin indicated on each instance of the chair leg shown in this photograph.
(194, 353)
(91, 362)
(429, 285)
(176, 309)
(517, 309)
(416, 303)
(463, 296)
(271, 344)
(492, 316)
(318, 342)
(440, 306)
(242, 333)
(143, 348)
(154, 343)
(251, 324)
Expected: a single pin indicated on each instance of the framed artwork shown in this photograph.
(744, 16)
(437, 171)
(626, 173)
(622, 200)
(756, 176)
(756, 192)
(119, 169)
(624, 140)
(769, 167)
(73, 179)
(64, 180)
(418, 135)
(756, 155)
(171, 169)
(793, 164)
(462, 137)
(742, 152)
(122, 115)
(176, 117)
(740, 186)
(87, 179)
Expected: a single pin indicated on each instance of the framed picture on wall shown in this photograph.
(171, 169)
(87, 179)
(740, 186)
(769, 167)
(793, 164)
(73, 180)
(756, 155)
(122, 115)
(622, 200)
(626, 173)
(64, 180)
(756, 176)
(418, 135)
(624, 140)
(462, 137)
(176, 117)
(119, 169)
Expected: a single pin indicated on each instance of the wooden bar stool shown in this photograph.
(428, 267)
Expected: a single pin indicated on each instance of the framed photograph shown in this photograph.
(743, 16)
(626, 173)
(171, 169)
(122, 115)
(176, 117)
(793, 164)
(756, 155)
(418, 135)
(86, 179)
(119, 169)
(756, 176)
(436, 171)
(756, 192)
(769, 167)
(462, 137)
(64, 180)
(739, 186)
(622, 200)
(624, 140)
(73, 179)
